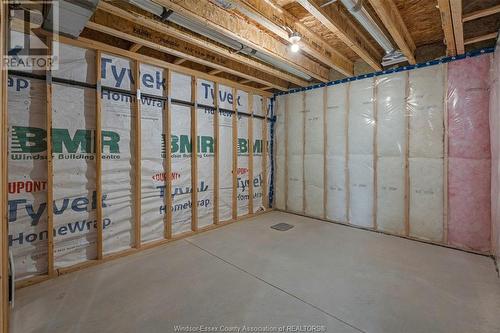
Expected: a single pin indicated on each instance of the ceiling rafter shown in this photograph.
(131, 14)
(481, 38)
(447, 23)
(458, 27)
(340, 24)
(106, 23)
(275, 20)
(481, 13)
(243, 31)
(135, 47)
(389, 14)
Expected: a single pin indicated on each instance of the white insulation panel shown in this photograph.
(314, 153)
(361, 135)
(336, 132)
(279, 168)
(391, 147)
(425, 104)
(426, 198)
(295, 162)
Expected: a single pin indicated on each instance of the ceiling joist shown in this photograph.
(481, 13)
(481, 38)
(106, 23)
(135, 47)
(340, 24)
(215, 72)
(458, 27)
(392, 20)
(133, 15)
(243, 31)
(447, 23)
(179, 61)
(267, 13)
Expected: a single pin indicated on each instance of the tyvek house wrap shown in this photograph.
(280, 148)
(257, 181)
(73, 138)
(181, 155)
(391, 147)
(242, 191)
(314, 153)
(152, 155)
(206, 135)
(426, 166)
(225, 153)
(28, 184)
(360, 134)
(336, 134)
(117, 168)
(74, 163)
(295, 162)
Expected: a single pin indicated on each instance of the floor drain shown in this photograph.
(282, 226)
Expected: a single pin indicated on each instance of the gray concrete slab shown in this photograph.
(317, 273)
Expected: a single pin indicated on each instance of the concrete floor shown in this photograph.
(317, 273)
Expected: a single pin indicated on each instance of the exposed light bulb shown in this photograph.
(294, 37)
(295, 48)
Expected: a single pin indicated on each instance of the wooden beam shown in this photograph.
(250, 154)
(234, 201)
(482, 38)
(267, 88)
(389, 14)
(458, 28)
(447, 24)
(50, 168)
(273, 18)
(194, 156)
(179, 61)
(341, 25)
(216, 153)
(98, 153)
(215, 71)
(96, 45)
(245, 32)
(244, 81)
(481, 13)
(265, 195)
(167, 130)
(106, 23)
(137, 158)
(134, 15)
(4, 229)
(135, 47)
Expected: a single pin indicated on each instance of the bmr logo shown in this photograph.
(33, 140)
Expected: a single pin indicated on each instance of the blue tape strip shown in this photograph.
(471, 54)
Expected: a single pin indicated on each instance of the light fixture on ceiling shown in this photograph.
(294, 39)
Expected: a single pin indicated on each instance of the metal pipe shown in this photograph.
(203, 30)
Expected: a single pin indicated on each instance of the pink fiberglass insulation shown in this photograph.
(469, 220)
(469, 203)
(468, 108)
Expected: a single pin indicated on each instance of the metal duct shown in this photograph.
(73, 15)
(392, 56)
(203, 30)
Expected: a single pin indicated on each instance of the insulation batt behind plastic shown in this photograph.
(406, 153)
(74, 166)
